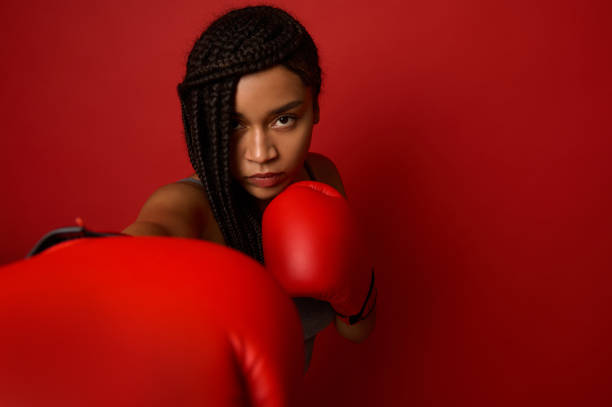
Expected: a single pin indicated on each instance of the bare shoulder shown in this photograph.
(178, 209)
(326, 171)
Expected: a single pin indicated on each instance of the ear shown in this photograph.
(315, 112)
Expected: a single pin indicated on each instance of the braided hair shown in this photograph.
(240, 42)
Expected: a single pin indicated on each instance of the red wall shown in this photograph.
(473, 138)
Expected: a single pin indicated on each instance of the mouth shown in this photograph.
(266, 180)
(266, 175)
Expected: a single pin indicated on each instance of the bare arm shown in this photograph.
(173, 210)
(327, 171)
(357, 332)
(144, 228)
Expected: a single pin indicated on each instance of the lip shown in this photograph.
(266, 180)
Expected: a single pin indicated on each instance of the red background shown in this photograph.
(473, 139)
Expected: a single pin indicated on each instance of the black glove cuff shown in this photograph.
(368, 305)
(65, 234)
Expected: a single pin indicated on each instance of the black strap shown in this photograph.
(60, 235)
(360, 316)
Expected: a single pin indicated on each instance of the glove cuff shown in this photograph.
(366, 309)
(65, 234)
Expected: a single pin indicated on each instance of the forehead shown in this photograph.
(263, 91)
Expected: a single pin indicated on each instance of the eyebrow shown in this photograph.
(287, 106)
(280, 109)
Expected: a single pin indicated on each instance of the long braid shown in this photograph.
(242, 41)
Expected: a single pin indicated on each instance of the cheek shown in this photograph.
(298, 148)
(304, 140)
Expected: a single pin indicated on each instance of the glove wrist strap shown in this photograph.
(366, 309)
(65, 234)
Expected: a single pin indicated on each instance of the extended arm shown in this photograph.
(172, 210)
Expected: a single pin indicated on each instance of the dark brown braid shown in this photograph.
(240, 42)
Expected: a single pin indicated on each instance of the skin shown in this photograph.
(273, 129)
(273, 125)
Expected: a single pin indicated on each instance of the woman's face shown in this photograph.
(272, 130)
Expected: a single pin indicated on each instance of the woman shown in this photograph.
(249, 102)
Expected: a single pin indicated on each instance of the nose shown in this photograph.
(260, 147)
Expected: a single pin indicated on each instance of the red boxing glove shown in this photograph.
(313, 246)
(146, 321)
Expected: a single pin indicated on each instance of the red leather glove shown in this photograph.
(146, 321)
(314, 248)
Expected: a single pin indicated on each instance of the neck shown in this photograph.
(262, 204)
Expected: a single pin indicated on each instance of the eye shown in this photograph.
(284, 121)
(236, 125)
